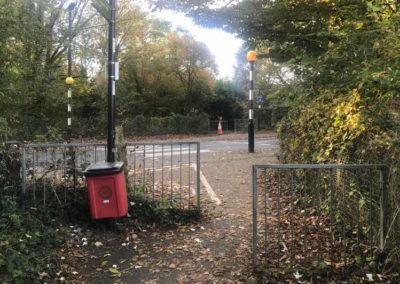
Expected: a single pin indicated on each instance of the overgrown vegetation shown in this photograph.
(32, 237)
(149, 213)
(29, 241)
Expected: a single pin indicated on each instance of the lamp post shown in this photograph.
(69, 80)
(251, 57)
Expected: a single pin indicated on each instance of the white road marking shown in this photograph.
(208, 187)
(166, 153)
(166, 168)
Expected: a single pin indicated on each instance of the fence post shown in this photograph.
(198, 175)
(255, 237)
(384, 208)
(23, 170)
(122, 149)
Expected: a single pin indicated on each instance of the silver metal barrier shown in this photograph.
(327, 218)
(166, 173)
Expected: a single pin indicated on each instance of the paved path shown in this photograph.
(216, 250)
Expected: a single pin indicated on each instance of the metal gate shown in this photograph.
(166, 173)
(330, 218)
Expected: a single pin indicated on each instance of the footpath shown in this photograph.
(217, 249)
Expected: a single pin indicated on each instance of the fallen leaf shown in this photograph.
(103, 263)
(43, 274)
(114, 270)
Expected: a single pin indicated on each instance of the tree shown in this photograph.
(193, 65)
(34, 44)
(344, 57)
(162, 71)
(227, 102)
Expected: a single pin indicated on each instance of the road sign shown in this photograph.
(260, 99)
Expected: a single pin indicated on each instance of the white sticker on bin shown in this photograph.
(106, 201)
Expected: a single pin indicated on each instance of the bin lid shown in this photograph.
(104, 168)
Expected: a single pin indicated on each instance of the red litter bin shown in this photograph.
(107, 190)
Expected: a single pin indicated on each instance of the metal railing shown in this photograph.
(330, 218)
(166, 173)
(241, 125)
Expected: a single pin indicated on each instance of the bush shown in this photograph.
(28, 243)
(345, 129)
(269, 117)
(4, 129)
(148, 212)
(53, 135)
(173, 124)
(348, 128)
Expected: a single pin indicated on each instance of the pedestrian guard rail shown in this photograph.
(166, 173)
(330, 218)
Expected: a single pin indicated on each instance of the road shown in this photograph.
(238, 145)
(210, 145)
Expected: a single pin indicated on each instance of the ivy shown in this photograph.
(29, 241)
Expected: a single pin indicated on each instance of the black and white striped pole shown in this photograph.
(251, 57)
(69, 80)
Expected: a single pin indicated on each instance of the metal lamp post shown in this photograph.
(251, 57)
(69, 80)
(107, 10)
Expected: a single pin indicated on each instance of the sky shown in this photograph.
(222, 45)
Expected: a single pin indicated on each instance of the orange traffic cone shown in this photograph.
(219, 128)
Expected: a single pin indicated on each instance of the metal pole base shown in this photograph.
(251, 136)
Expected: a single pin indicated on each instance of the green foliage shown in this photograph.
(4, 129)
(227, 103)
(163, 72)
(10, 166)
(28, 241)
(32, 47)
(268, 118)
(172, 124)
(52, 135)
(147, 212)
(342, 57)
